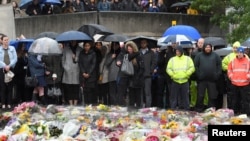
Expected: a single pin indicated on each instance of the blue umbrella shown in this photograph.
(27, 43)
(183, 29)
(24, 4)
(73, 35)
(51, 1)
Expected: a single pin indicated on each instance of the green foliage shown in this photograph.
(238, 17)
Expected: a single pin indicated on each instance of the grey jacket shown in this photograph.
(71, 69)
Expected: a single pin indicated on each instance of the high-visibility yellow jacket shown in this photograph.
(180, 68)
(227, 59)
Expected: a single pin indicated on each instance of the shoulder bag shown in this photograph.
(127, 66)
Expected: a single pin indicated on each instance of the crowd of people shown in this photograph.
(73, 6)
(91, 74)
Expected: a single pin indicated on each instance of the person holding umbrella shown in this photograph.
(113, 71)
(150, 62)
(71, 72)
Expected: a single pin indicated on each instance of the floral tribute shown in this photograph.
(31, 122)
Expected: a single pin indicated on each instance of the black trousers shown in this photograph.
(5, 90)
(212, 94)
(240, 98)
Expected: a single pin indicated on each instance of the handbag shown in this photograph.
(31, 81)
(54, 91)
(127, 66)
(8, 76)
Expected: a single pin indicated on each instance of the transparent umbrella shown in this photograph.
(45, 46)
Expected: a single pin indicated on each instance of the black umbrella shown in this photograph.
(113, 38)
(92, 29)
(152, 42)
(216, 42)
(179, 4)
(246, 43)
(224, 51)
(48, 34)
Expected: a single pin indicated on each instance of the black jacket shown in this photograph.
(87, 64)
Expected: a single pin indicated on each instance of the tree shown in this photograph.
(237, 16)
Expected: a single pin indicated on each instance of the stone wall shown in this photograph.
(128, 23)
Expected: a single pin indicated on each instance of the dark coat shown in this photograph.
(87, 64)
(36, 67)
(150, 62)
(208, 66)
(137, 80)
(32, 7)
(54, 66)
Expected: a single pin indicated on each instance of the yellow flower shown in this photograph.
(170, 112)
(236, 121)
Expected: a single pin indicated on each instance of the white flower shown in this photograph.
(39, 130)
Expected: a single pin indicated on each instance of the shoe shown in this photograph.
(9, 107)
(3, 106)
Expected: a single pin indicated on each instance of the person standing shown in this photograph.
(8, 59)
(136, 82)
(53, 75)
(225, 62)
(102, 73)
(34, 8)
(20, 71)
(113, 71)
(208, 70)
(37, 69)
(180, 68)
(71, 71)
(239, 74)
(150, 62)
(88, 75)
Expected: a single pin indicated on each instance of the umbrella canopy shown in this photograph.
(178, 38)
(216, 42)
(224, 51)
(73, 35)
(164, 45)
(246, 43)
(113, 38)
(179, 4)
(26, 42)
(25, 3)
(152, 42)
(51, 1)
(48, 34)
(92, 29)
(45, 46)
(183, 29)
